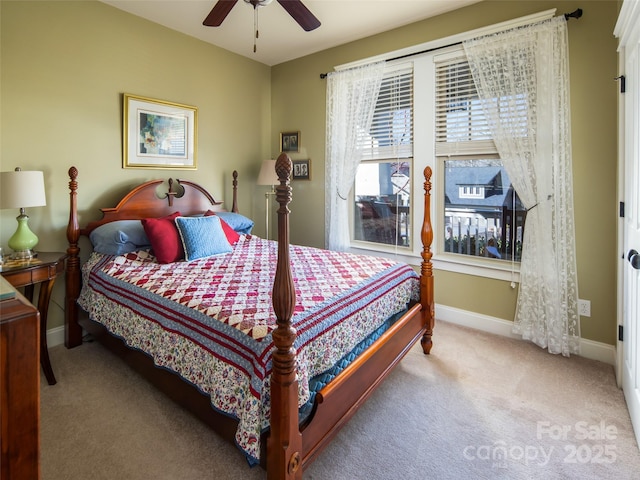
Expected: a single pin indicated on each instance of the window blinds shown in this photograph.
(461, 125)
(391, 132)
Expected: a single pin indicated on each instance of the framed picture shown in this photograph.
(159, 134)
(301, 170)
(290, 141)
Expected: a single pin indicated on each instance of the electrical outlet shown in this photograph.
(584, 308)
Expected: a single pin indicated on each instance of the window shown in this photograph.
(469, 191)
(382, 203)
(481, 221)
(478, 211)
(382, 193)
(483, 215)
(467, 170)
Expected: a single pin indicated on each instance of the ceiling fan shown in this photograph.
(295, 8)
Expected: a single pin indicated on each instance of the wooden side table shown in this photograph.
(42, 269)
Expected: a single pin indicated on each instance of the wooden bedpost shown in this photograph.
(426, 273)
(234, 205)
(73, 331)
(284, 445)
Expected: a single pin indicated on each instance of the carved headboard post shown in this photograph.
(73, 331)
(234, 205)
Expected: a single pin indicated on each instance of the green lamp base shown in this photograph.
(23, 241)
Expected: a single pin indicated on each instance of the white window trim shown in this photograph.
(445, 262)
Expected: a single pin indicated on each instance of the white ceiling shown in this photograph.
(281, 38)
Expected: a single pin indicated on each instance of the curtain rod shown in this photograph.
(575, 14)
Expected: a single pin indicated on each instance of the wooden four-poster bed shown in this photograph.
(114, 288)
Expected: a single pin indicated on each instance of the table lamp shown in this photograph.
(268, 176)
(22, 189)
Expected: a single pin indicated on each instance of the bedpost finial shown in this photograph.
(73, 173)
(234, 204)
(283, 168)
(427, 180)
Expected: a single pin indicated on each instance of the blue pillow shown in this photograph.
(119, 237)
(202, 237)
(239, 223)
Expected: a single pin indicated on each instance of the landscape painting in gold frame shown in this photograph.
(159, 134)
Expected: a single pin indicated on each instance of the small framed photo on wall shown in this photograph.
(290, 141)
(301, 170)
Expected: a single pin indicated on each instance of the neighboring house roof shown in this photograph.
(494, 180)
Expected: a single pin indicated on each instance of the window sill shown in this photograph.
(497, 270)
(445, 262)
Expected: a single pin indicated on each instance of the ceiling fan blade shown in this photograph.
(300, 14)
(219, 12)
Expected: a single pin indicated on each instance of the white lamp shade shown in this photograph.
(22, 189)
(268, 175)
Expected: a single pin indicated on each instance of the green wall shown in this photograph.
(298, 102)
(65, 65)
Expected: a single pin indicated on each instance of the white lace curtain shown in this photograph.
(529, 67)
(351, 99)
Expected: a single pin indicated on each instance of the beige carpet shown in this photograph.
(479, 407)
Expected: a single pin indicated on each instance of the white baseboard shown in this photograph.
(55, 336)
(588, 348)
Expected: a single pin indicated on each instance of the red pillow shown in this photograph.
(164, 237)
(231, 234)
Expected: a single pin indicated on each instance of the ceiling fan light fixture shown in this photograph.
(258, 3)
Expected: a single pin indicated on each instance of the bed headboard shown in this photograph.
(149, 201)
(145, 201)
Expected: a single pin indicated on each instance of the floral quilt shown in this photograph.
(210, 320)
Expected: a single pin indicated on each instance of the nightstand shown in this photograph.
(43, 269)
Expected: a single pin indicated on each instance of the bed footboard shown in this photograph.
(287, 449)
(339, 400)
